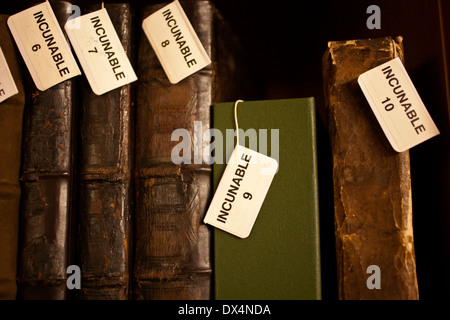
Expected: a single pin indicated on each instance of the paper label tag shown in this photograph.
(175, 42)
(100, 52)
(43, 46)
(8, 87)
(241, 191)
(397, 105)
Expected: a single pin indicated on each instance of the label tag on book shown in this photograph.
(43, 46)
(175, 42)
(241, 191)
(100, 52)
(8, 87)
(397, 105)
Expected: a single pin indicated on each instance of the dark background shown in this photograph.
(285, 41)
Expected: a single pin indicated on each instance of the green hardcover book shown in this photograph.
(281, 257)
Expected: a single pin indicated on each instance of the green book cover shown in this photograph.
(281, 257)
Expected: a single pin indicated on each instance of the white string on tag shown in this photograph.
(248, 178)
(236, 120)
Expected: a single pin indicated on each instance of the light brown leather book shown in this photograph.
(372, 183)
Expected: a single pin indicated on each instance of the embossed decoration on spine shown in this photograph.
(105, 187)
(47, 214)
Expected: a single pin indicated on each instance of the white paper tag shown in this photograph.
(397, 105)
(175, 42)
(8, 87)
(241, 191)
(43, 46)
(100, 52)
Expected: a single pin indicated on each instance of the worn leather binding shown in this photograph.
(105, 189)
(47, 214)
(372, 186)
(11, 113)
(172, 245)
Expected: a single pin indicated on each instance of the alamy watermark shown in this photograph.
(208, 146)
(73, 23)
(74, 280)
(374, 280)
(374, 20)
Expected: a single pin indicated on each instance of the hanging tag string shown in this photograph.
(236, 120)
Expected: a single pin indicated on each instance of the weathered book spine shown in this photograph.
(372, 185)
(105, 189)
(47, 216)
(11, 113)
(173, 245)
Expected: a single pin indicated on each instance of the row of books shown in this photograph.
(90, 180)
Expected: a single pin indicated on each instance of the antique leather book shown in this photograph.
(11, 113)
(372, 184)
(280, 259)
(46, 246)
(172, 245)
(105, 189)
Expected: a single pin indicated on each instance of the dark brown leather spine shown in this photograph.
(172, 248)
(46, 245)
(372, 186)
(11, 113)
(105, 206)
